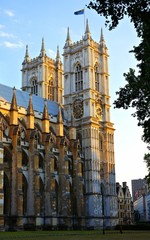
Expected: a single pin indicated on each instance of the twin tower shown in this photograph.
(81, 86)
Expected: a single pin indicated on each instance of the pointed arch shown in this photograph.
(5, 125)
(7, 155)
(25, 158)
(96, 76)
(24, 191)
(50, 88)
(78, 77)
(34, 86)
(41, 190)
(41, 160)
(7, 194)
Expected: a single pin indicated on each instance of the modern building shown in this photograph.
(57, 165)
(139, 187)
(142, 208)
(125, 214)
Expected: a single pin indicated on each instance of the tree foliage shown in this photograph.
(147, 160)
(136, 92)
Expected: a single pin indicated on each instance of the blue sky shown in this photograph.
(26, 22)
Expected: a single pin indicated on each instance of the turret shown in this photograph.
(27, 57)
(30, 114)
(103, 47)
(45, 119)
(43, 51)
(14, 109)
(58, 60)
(68, 39)
(87, 31)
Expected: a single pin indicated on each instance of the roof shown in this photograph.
(23, 100)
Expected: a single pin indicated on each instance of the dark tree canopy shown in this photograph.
(147, 160)
(136, 92)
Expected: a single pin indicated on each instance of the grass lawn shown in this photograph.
(75, 235)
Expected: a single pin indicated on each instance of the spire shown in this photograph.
(14, 101)
(14, 109)
(30, 114)
(59, 126)
(45, 119)
(45, 111)
(59, 116)
(27, 57)
(43, 51)
(102, 36)
(68, 39)
(102, 41)
(58, 55)
(87, 30)
(30, 110)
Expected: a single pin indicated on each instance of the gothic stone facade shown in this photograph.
(62, 173)
(41, 169)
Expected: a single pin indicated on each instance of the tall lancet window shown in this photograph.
(96, 78)
(34, 86)
(51, 90)
(78, 78)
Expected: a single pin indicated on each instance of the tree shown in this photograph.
(136, 92)
(147, 160)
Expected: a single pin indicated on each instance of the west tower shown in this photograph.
(42, 75)
(87, 103)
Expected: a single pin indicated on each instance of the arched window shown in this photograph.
(34, 86)
(78, 78)
(96, 78)
(51, 90)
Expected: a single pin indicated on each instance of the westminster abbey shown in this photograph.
(57, 167)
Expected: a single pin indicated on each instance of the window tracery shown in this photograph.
(34, 86)
(78, 78)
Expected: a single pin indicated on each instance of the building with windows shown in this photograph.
(139, 187)
(57, 165)
(125, 214)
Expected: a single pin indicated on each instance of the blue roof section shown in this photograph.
(23, 100)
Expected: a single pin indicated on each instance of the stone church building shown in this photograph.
(57, 166)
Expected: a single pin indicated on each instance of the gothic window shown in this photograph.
(51, 90)
(34, 86)
(78, 78)
(96, 78)
(24, 191)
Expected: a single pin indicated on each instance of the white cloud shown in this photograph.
(7, 35)
(9, 13)
(13, 45)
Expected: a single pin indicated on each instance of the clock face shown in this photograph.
(78, 108)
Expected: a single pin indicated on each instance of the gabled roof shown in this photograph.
(22, 98)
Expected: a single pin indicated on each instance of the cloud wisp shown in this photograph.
(6, 35)
(9, 13)
(8, 44)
